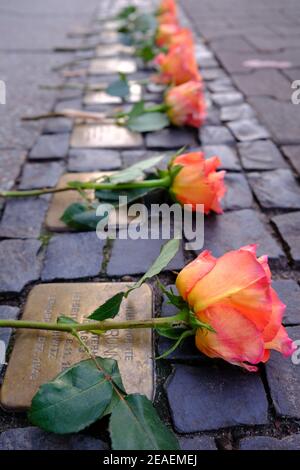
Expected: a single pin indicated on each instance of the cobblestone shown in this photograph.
(270, 443)
(93, 160)
(170, 139)
(227, 155)
(211, 135)
(197, 443)
(248, 129)
(289, 227)
(7, 312)
(50, 147)
(41, 175)
(289, 292)
(238, 195)
(260, 155)
(23, 218)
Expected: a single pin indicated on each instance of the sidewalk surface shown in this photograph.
(249, 54)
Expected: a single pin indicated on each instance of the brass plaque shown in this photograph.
(113, 50)
(104, 136)
(100, 97)
(38, 356)
(113, 65)
(61, 201)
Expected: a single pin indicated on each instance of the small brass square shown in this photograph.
(113, 50)
(113, 65)
(104, 136)
(38, 356)
(61, 201)
(100, 97)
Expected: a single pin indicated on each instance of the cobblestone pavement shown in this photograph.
(249, 53)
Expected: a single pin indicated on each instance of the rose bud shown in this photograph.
(186, 104)
(198, 182)
(178, 66)
(167, 18)
(233, 294)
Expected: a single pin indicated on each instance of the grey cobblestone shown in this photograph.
(218, 396)
(41, 175)
(289, 292)
(23, 218)
(73, 256)
(58, 126)
(289, 227)
(237, 112)
(227, 155)
(11, 313)
(248, 129)
(292, 152)
(171, 139)
(270, 443)
(197, 443)
(227, 98)
(50, 147)
(260, 155)
(265, 186)
(211, 135)
(238, 195)
(19, 264)
(93, 160)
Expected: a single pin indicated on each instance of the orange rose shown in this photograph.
(198, 182)
(167, 6)
(186, 104)
(233, 294)
(165, 32)
(167, 18)
(178, 66)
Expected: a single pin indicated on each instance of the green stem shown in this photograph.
(105, 325)
(78, 185)
(158, 108)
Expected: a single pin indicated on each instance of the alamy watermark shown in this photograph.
(2, 92)
(2, 352)
(296, 354)
(296, 94)
(153, 222)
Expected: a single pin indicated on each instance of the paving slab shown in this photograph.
(292, 152)
(219, 396)
(11, 313)
(260, 155)
(19, 264)
(31, 438)
(288, 226)
(265, 82)
(284, 380)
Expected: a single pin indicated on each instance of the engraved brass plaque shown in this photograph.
(38, 356)
(61, 201)
(113, 50)
(104, 136)
(100, 97)
(113, 65)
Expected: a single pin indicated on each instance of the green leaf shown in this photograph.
(119, 88)
(137, 109)
(109, 309)
(135, 425)
(126, 12)
(148, 122)
(135, 171)
(147, 52)
(167, 253)
(171, 333)
(145, 22)
(75, 399)
(174, 299)
(181, 338)
(80, 217)
(62, 319)
(131, 194)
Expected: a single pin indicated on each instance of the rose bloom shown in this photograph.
(233, 294)
(165, 32)
(167, 18)
(198, 182)
(177, 66)
(167, 6)
(186, 104)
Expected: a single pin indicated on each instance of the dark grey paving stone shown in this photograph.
(19, 264)
(289, 292)
(210, 135)
(58, 126)
(197, 443)
(75, 103)
(130, 157)
(265, 82)
(10, 165)
(248, 129)
(11, 313)
(270, 443)
(292, 152)
(171, 139)
(227, 155)
(41, 175)
(284, 379)
(50, 146)
(282, 119)
(218, 396)
(236, 112)
(234, 229)
(227, 98)
(238, 195)
(231, 43)
(221, 85)
(213, 117)
(93, 160)
(266, 184)
(32, 438)
(136, 256)
(260, 155)
(289, 227)
(23, 218)
(73, 256)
